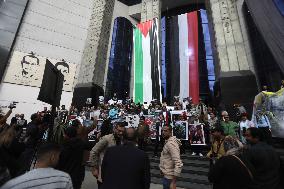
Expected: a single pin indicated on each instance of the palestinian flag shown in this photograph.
(147, 80)
(182, 56)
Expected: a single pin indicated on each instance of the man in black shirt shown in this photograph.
(71, 159)
(265, 161)
(126, 167)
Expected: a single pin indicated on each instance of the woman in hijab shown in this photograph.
(232, 170)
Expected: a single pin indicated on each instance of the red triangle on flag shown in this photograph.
(145, 27)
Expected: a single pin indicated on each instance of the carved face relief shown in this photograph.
(30, 66)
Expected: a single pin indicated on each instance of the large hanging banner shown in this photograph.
(147, 80)
(183, 56)
(28, 68)
(269, 107)
(192, 21)
(188, 56)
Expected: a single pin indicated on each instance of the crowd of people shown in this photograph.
(51, 151)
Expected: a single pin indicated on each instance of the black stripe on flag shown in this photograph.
(173, 61)
(154, 51)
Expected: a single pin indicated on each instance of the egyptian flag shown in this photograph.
(182, 56)
(147, 80)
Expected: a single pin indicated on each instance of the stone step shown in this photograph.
(186, 169)
(191, 157)
(187, 163)
(185, 185)
(187, 177)
(187, 156)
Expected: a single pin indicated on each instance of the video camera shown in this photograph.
(13, 105)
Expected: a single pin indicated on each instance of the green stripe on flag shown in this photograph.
(138, 67)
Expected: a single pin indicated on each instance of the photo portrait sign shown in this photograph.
(196, 134)
(151, 121)
(176, 114)
(180, 130)
(28, 69)
(132, 120)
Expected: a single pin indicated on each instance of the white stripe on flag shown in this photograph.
(183, 56)
(159, 67)
(147, 80)
(133, 63)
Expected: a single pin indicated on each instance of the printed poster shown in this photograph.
(132, 121)
(180, 130)
(151, 121)
(196, 134)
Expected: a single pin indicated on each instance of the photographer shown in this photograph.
(3, 118)
(232, 170)
(10, 150)
(217, 148)
(34, 135)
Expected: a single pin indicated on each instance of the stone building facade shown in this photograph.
(79, 31)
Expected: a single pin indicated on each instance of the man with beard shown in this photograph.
(98, 151)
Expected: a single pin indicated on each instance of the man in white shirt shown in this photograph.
(244, 125)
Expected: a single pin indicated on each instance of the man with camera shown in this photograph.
(217, 149)
(34, 137)
(3, 118)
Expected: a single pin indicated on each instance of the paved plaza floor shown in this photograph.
(90, 182)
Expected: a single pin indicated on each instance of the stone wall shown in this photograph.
(248, 50)
(150, 9)
(54, 29)
(235, 73)
(95, 53)
(228, 36)
(11, 13)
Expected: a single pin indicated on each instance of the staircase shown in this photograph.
(194, 172)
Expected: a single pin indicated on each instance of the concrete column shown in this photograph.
(235, 75)
(228, 36)
(92, 71)
(150, 9)
(95, 52)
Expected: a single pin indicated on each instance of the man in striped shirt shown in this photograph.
(44, 175)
